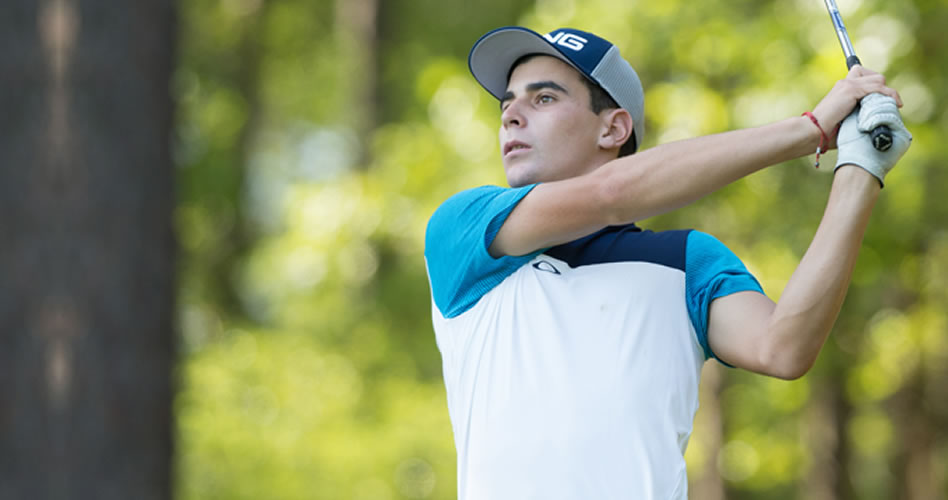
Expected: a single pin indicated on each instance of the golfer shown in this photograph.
(572, 340)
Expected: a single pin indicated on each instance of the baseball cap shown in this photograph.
(493, 55)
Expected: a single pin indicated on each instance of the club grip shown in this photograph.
(881, 138)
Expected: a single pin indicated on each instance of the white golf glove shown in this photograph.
(855, 144)
(878, 109)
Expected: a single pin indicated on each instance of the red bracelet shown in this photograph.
(823, 137)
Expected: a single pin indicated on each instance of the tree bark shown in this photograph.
(710, 485)
(87, 253)
(228, 257)
(357, 31)
(826, 419)
(914, 464)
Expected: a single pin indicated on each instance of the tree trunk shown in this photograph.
(914, 464)
(229, 256)
(710, 485)
(826, 420)
(87, 253)
(357, 32)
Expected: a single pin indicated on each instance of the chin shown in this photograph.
(516, 182)
(521, 175)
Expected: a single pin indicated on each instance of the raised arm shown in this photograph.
(783, 340)
(670, 175)
(749, 331)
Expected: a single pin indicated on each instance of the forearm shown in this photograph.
(672, 175)
(811, 301)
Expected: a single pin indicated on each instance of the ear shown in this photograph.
(616, 128)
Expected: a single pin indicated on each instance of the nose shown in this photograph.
(512, 116)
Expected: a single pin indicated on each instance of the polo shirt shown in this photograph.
(571, 372)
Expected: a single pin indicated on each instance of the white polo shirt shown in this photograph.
(572, 372)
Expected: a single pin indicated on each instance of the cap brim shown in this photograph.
(495, 53)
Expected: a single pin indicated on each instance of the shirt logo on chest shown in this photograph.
(545, 266)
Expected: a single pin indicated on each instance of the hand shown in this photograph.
(845, 95)
(878, 109)
(855, 146)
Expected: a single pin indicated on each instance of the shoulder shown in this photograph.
(468, 197)
(460, 269)
(700, 242)
(477, 198)
(713, 270)
(707, 253)
(471, 211)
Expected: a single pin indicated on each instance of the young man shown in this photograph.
(572, 341)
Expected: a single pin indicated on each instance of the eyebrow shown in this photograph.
(533, 87)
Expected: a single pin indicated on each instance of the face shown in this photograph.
(548, 131)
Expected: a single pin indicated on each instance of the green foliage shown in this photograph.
(310, 369)
(272, 415)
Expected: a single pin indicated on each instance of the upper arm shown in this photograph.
(554, 213)
(732, 316)
(737, 330)
(727, 306)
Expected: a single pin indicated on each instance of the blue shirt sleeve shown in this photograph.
(711, 271)
(459, 233)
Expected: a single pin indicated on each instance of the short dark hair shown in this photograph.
(599, 100)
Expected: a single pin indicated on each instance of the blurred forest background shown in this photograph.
(312, 139)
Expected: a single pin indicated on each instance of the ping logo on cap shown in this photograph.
(568, 40)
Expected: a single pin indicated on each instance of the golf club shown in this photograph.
(881, 136)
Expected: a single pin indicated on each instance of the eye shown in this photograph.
(545, 98)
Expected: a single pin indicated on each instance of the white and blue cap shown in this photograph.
(495, 53)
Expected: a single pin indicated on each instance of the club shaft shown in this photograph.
(881, 135)
(841, 33)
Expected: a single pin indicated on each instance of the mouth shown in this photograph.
(514, 146)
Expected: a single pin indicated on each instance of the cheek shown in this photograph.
(572, 137)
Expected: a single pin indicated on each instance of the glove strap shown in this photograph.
(824, 139)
